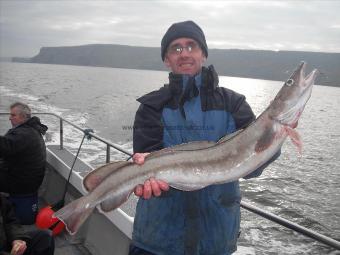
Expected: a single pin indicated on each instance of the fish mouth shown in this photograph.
(291, 116)
(306, 85)
(299, 78)
(307, 81)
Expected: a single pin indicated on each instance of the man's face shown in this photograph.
(182, 61)
(15, 117)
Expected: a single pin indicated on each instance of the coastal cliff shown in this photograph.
(257, 64)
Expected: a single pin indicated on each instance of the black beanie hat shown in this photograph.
(184, 29)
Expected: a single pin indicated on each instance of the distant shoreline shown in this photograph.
(256, 64)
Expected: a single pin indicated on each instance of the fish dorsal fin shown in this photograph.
(229, 136)
(191, 146)
(187, 187)
(195, 145)
(95, 177)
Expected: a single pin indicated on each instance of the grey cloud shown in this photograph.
(26, 26)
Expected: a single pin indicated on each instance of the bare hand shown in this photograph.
(18, 247)
(139, 158)
(151, 186)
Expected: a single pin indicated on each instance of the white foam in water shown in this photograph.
(10, 93)
(242, 250)
(40, 107)
(92, 151)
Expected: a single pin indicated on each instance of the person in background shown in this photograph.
(192, 107)
(15, 240)
(22, 152)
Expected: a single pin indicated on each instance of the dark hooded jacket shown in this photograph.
(23, 151)
(205, 221)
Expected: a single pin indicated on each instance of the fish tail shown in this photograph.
(74, 214)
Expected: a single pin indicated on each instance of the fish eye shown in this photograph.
(290, 82)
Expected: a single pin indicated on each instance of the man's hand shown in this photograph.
(152, 186)
(18, 247)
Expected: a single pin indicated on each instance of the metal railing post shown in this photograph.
(107, 153)
(61, 134)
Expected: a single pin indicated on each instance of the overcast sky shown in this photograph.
(302, 25)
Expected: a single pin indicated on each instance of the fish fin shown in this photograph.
(195, 145)
(114, 202)
(265, 140)
(74, 214)
(186, 187)
(95, 177)
(191, 146)
(229, 136)
(295, 138)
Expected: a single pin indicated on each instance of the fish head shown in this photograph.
(290, 101)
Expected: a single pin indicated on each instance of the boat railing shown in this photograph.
(62, 120)
(265, 214)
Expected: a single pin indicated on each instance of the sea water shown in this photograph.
(304, 189)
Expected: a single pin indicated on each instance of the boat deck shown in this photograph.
(101, 232)
(64, 244)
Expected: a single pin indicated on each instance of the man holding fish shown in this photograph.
(192, 107)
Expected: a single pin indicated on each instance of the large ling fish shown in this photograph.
(196, 165)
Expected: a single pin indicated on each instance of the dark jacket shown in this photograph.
(197, 222)
(24, 153)
(10, 229)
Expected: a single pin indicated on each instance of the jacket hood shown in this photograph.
(157, 99)
(35, 123)
(209, 80)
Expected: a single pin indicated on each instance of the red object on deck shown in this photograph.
(45, 220)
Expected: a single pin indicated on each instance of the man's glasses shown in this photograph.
(177, 49)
